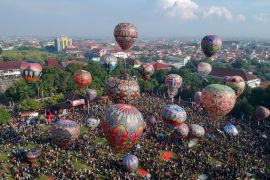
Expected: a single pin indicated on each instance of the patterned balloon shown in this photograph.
(123, 90)
(204, 69)
(91, 94)
(146, 70)
(108, 62)
(92, 123)
(173, 83)
(122, 126)
(218, 100)
(65, 132)
(82, 78)
(196, 130)
(131, 162)
(262, 113)
(237, 83)
(182, 131)
(152, 120)
(125, 35)
(231, 129)
(173, 115)
(210, 45)
(33, 156)
(30, 71)
(197, 98)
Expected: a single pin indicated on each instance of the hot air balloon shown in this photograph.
(33, 156)
(123, 90)
(130, 163)
(65, 132)
(197, 98)
(125, 35)
(30, 71)
(181, 131)
(237, 83)
(262, 113)
(204, 69)
(231, 129)
(92, 123)
(82, 78)
(196, 130)
(218, 100)
(152, 120)
(91, 94)
(211, 44)
(173, 115)
(108, 62)
(122, 126)
(146, 70)
(173, 83)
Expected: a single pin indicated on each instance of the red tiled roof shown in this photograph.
(158, 66)
(84, 44)
(222, 72)
(10, 65)
(52, 62)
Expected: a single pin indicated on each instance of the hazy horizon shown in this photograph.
(178, 19)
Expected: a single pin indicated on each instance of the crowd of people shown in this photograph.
(217, 155)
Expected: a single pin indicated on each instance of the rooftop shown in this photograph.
(10, 65)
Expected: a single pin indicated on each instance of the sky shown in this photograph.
(153, 18)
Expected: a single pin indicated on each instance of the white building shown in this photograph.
(10, 69)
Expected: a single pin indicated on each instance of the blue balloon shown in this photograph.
(231, 129)
(130, 162)
(108, 62)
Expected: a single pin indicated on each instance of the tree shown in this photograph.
(4, 116)
(20, 91)
(1, 50)
(55, 99)
(30, 105)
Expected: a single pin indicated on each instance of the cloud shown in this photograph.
(185, 9)
(262, 17)
(241, 17)
(218, 11)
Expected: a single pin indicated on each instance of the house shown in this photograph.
(250, 79)
(159, 66)
(65, 64)
(10, 69)
(118, 53)
(52, 62)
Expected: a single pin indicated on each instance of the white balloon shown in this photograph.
(92, 123)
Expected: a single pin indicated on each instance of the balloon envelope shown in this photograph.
(173, 83)
(262, 113)
(33, 156)
(182, 131)
(237, 83)
(131, 162)
(65, 132)
(92, 123)
(108, 62)
(210, 45)
(146, 70)
(231, 129)
(30, 71)
(197, 98)
(82, 78)
(204, 69)
(123, 126)
(91, 94)
(218, 100)
(125, 35)
(173, 115)
(196, 130)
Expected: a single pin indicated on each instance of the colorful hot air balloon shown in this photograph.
(210, 45)
(237, 83)
(33, 156)
(218, 100)
(181, 131)
(196, 130)
(108, 62)
(173, 83)
(231, 129)
(30, 71)
(197, 98)
(92, 123)
(173, 115)
(262, 113)
(122, 126)
(130, 163)
(91, 94)
(123, 90)
(204, 69)
(65, 132)
(125, 35)
(146, 70)
(82, 78)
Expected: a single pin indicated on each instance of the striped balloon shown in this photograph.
(173, 115)
(33, 156)
(130, 162)
(231, 129)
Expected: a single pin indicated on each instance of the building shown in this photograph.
(62, 42)
(10, 69)
(66, 63)
(160, 66)
(250, 79)
(94, 54)
(118, 53)
(52, 62)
